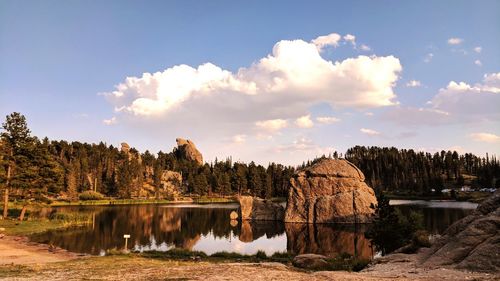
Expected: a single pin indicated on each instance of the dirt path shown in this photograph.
(18, 250)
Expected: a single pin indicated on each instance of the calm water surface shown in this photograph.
(208, 228)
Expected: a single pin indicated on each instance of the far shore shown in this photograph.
(474, 197)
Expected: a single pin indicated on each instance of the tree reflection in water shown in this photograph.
(208, 228)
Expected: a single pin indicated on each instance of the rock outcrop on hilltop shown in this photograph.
(253, 208)
(471, 243)
(188, 150)
(330, 191)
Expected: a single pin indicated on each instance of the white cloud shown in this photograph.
(327, 119)
(110, 121)
(350, 39)
(365, 48)
(457, 102)
(485, 137)
(369, 114)
(478, 62)
(428, 58)
(413, 84)
(238, 139)
(332, 39)
(272, 125)
(369, 132)
(304, 122)
(478, 49)
(303, 145)
(294, 74)
(455, 41)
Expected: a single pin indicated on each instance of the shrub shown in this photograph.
(282, 255)
(261, 255)
(346, 262)
(90, 195)
(421, 239)
(227, 255)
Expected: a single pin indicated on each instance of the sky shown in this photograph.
(263, 81)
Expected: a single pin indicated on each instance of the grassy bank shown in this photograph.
(32, 226)
(475, 196)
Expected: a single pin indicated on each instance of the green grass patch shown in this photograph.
(228, 255)
(346, 262)
(14, 270)
(175, 253)
(223, 256)
(32, 226)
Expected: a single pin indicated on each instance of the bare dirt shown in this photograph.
(18, 250)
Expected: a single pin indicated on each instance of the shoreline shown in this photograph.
(217, 200)
(21, 260)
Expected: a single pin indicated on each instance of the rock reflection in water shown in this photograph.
(326, 239)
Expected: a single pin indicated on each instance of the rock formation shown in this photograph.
(171, 182)
(330, 191)
(187, 150)
(471, 243)
(253, 208)
(125, 147)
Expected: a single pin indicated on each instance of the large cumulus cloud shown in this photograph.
(282, 85)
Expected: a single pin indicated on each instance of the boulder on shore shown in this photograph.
(330, 191)
(471, 243)
(310, 261)
(188, 151)
(253, 208)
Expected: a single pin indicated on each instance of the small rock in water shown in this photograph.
(233, 215)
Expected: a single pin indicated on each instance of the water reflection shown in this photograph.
(208, 228)
(438, 215)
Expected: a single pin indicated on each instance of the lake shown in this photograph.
(208, 228)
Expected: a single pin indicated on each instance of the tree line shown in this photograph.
(417, 172)
(38, 169)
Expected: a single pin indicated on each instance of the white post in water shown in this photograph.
(126, 236)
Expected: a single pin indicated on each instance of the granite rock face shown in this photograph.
(330, 191)
(188, 150)
(171, 183)
(253, 208)
(471, 243)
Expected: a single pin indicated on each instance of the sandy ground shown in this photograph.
(18, 250)
(22, 260)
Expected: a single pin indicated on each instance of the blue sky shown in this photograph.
(387, 84)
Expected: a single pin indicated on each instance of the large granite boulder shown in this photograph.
(253, 208)
(188, 150)
(471, 243)
(330, 191)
